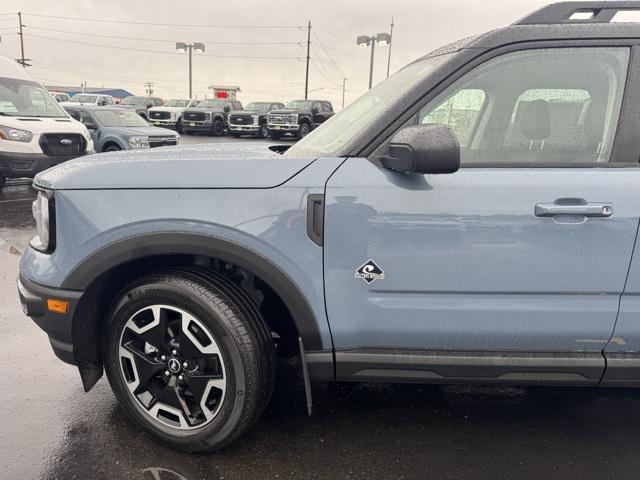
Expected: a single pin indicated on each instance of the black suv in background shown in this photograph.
(141, 104)
(253, 119)
(210, 116)
(299, 118)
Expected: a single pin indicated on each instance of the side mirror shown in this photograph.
(149, 105)
(90, 126)
(429, 148)
(314, 110)
(227, 108)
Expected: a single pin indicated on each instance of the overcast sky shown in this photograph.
(420, 26)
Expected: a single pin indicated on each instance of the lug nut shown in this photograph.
(185, 365)
(163, 358)
(174, 352)
(167, 373)
(180, 377)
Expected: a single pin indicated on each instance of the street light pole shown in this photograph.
(306, 77)
(373, 48)
(189, 48)
(190, 73)
(366, 41)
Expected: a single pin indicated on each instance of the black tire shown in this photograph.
(217, 128)
(274, 136)
(236, 326)
(3, 181)
(235, 135)
(263, 132)
(303, 131)
(112, 147)
(179, 127)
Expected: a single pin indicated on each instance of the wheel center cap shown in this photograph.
(173, 365)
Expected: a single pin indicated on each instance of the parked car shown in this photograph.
(210, 116)
(99, 100)
(35, 132)
(496, 245)
(299, 118)
(141, 104)
(252, 120)
(121, 129)
(60, 96)
(170, 113)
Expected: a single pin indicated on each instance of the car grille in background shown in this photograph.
(162, 141)
(62, 144)
(282, 118)
(197, 116)
(240, 119)
(160, 115)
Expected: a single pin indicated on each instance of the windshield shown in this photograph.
(300, 105)
(82, 98)
(177, 103)
(120, 118)
(340, 129)
(259, 106)
(24, 98)
(211, 103)
(134, 101)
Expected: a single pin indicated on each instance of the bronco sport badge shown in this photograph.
(369, 272)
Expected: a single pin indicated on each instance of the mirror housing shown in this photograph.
(314, 110)
(149, 105)
(227, 108)
(429, 148)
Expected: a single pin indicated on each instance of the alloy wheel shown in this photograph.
(172, 366)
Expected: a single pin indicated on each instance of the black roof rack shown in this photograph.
(578, 12)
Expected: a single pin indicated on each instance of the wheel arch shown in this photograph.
(100, 277)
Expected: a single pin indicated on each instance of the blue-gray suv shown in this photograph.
(115, 128)
(474, 218)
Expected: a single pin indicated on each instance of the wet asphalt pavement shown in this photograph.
(51, 430)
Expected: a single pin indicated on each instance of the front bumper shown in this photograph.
(163, 123)
(197, 126)
(57, 326)
(18, 165)
(244, 128)
(283, 127)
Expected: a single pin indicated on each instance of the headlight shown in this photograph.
(178, 140)
(207, 116)
(294, 118)
(256, 119)
(139, 141)
(44, 214)
(15, 134)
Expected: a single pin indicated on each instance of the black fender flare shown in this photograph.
(147, 245)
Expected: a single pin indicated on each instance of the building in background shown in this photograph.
(117, 93)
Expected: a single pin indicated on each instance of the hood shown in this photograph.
(247, 165)
(204, 109)
(77, 104)
(150, 130)
(169, 109)
(40, 125)
(288, 110)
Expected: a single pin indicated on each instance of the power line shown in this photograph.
(254, 57)
(328, 56)
(120, 37)
(191, 25)
(344, 37)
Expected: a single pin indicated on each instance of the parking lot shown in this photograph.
(52, 430)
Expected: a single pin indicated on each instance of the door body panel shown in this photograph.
(467, 264)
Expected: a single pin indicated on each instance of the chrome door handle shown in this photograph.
(598, 209)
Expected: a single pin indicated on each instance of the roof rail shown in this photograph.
(578, 12)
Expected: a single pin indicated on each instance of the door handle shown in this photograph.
(576, 207)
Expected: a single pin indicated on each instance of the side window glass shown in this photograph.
(544, 106)
(86, 118)
(460, 111)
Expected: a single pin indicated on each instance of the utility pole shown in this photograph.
(306, 78)
(390, 45)
(22, 61)
(149, 88)
(344, 83)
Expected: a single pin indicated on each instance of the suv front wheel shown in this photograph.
(304, 130)
(190, 358)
